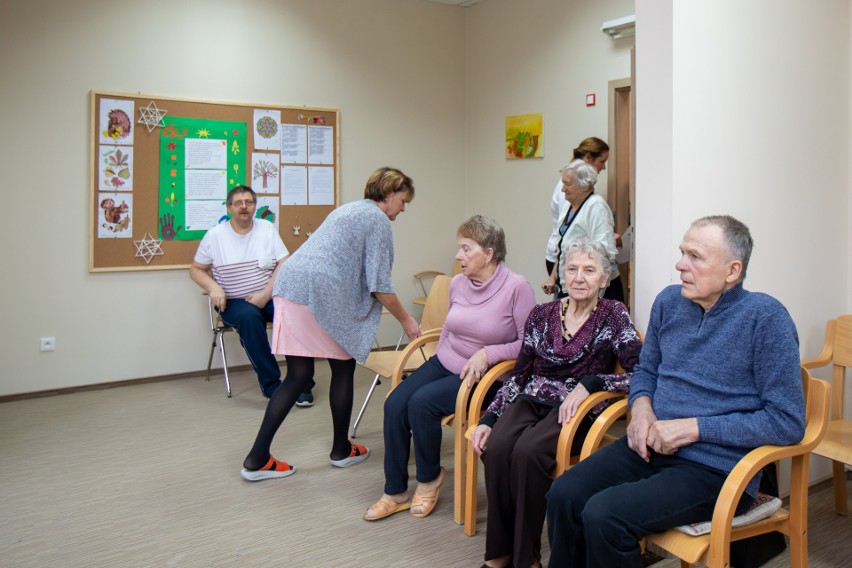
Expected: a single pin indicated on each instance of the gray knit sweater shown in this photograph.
(337, 269)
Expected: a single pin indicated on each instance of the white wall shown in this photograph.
(758, 128)
(525, 57)
(394, 69)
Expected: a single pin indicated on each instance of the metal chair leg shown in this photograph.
(364, 406)
(224, 363)
(210, 359)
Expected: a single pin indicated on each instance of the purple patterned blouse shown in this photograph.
(550, 366)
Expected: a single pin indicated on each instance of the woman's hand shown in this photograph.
(549, 286)
(411, 328)
(569, 406)
(480, 437)
(475, 368)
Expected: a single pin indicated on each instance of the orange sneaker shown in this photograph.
(274, 468)
(358, 454)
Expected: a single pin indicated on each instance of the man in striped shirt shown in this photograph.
(236, 264)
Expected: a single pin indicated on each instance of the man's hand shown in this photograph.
(217, 296)
(642, 417)
(666, 436)
(569, 406)
(475, 368)
(259, 299)
(480, 437)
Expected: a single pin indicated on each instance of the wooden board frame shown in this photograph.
(120, 254)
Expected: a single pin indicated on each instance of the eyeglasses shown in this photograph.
(247, 203)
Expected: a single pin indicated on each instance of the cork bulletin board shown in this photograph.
(161, 168)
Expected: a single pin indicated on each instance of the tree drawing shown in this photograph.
(265, 170)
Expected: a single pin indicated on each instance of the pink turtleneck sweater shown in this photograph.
(491, 315)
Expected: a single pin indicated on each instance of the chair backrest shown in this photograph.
(841, 359)
(437, 304)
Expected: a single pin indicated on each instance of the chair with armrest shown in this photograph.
(566, 437)
(836, 445)
(418, 351)
(713, 549)
(383, 363)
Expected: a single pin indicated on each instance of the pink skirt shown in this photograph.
(295, 331)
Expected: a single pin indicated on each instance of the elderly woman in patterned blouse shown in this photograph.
(569, 351)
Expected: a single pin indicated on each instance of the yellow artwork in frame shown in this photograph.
(523, 136)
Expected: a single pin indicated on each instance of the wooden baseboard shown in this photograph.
(217, 373)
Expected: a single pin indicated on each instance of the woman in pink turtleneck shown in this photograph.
(489, 305)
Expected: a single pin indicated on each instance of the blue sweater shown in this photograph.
(734, 367)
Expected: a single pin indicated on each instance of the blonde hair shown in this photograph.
(385, 181)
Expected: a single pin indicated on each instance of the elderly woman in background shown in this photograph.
(488, 307)
(569, 351)
(594, 152)
(588, 216)
(328, 301)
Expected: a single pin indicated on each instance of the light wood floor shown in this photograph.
(148, 475)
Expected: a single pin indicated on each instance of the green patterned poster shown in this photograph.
(200, 160)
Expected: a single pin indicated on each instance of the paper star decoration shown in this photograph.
(148, 247)
(151, 116)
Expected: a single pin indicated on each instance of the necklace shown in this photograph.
(567, 335)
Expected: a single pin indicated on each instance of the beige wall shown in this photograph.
(525, 57)
(759, 120)
(397, 79)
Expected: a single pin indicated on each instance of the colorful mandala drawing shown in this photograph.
(267, 127)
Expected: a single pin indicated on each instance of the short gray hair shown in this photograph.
(487, 234)
(587, 177)
(594, 249)
(738, 239)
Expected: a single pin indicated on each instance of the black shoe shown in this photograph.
(305, 399)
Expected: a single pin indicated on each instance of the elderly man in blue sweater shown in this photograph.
(717, 377)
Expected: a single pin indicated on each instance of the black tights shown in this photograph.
(300, 371)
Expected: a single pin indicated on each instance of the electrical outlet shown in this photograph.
(48, 344)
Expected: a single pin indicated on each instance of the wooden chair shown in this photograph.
(566, 437)
(425, 276)
(418, 351)
(713, 549)
(837, 443)
(383, 363)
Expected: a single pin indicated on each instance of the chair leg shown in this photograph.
(839, 474)
(224, 363)
(459, 471)
(210, 359)
(470, 497)
(364, 406)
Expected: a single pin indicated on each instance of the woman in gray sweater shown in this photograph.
(328, 300)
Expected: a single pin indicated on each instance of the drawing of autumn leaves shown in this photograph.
(116, 168)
